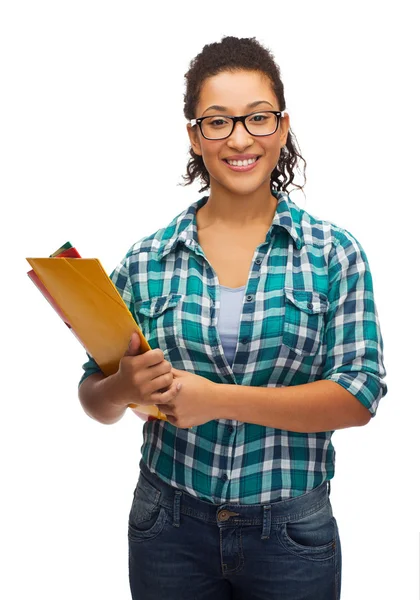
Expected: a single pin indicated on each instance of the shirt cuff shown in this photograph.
(368, 388)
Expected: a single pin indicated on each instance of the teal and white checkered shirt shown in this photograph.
(308, 313)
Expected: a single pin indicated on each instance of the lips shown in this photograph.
(243, 168)
(256, 156)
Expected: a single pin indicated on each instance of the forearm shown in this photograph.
(322, 405)
(97, 395)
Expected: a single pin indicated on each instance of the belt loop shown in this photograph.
(177, 503)
(266, 522)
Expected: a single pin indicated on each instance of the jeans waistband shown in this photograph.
(265, 514)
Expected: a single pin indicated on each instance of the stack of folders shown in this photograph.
(88, 302)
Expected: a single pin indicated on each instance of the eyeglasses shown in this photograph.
(219, 127)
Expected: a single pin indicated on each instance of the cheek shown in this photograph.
(274, 146)
(274, 153)
(210, 155)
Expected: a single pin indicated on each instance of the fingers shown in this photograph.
(134, 345)
(159, 385)
(153, 357)
(163, 369)
(165, 397)
(150, 358)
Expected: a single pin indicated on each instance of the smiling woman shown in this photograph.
(264, 339)
(260, 124)
(206, 79)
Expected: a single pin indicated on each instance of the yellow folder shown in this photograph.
(94, 310)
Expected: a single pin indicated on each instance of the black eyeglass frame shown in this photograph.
(279, 115)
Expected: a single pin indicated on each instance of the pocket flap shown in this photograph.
(157, 305)
(309, 301)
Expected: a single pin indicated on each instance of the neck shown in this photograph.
(236, 211)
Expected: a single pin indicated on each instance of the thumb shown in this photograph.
(134, 345)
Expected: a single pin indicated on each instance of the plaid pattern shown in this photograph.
(308, 314)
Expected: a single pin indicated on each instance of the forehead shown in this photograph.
(235, 90)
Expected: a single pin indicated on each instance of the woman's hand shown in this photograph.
(143, 379)
(195, 402)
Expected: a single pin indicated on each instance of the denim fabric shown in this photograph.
(184, 548)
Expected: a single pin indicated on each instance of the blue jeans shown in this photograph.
(183, 548)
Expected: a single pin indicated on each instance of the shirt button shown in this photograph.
(258, 261)
(245, 340)
(310, 305)
(249, 297)
(230, 429)
(224, 477)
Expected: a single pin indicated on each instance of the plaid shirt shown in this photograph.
(308, 313)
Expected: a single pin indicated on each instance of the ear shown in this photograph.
(193, 134)
(284, 124)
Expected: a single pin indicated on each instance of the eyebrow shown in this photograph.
(251, 105)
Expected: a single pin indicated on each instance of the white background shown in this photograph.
(80, 161)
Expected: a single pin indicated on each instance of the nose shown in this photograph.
(239, 136)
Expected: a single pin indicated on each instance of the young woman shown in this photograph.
(265, 339)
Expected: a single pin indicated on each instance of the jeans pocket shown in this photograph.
(147, 517)
(313, 536)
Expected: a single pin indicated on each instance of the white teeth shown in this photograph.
(242, 163)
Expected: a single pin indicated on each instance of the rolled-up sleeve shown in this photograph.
(352, 332)
(89, 367)
(120, 278)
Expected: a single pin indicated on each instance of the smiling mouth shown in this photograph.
(246, 165)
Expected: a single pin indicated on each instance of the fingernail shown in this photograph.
(178, 386)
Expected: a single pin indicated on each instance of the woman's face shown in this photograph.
(235, 91)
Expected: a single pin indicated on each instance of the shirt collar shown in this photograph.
(183, 228)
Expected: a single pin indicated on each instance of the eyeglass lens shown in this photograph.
(219, 126)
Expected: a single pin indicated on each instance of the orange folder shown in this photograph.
(89, 303)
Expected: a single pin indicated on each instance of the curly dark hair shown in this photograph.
(234, 54)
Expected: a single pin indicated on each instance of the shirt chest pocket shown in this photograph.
(160, 320)
(304, 320)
